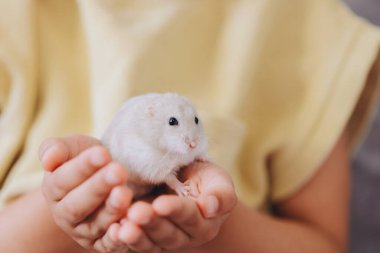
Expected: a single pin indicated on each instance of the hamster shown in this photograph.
(153, 136)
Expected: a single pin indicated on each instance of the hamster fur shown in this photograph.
(153, 136)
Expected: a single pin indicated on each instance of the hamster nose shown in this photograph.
(192, 144)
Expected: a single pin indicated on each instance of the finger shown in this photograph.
(161, 231)
(114, 209)
(55, 151)
(182, 211)
(87, 197)
(217, 193)
(134, 237)
(74, 172)
(141, 213)
(110, 242)
(165, 234)
(216, 190)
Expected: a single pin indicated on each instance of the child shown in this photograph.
(283, 88)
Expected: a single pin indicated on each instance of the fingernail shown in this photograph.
(212, 206)
(115, 201)
(97, 158)
(144, 220)
(112, 177)
(44, 156)
(113, 232)
(49, 158)
(42, 153)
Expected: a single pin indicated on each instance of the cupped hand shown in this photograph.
(85, 191)
(172, 222)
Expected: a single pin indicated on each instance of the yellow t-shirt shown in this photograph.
(272, 80)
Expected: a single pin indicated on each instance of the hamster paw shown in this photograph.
(187, 189)
(191, 188)
(176, 185)
(183, 190)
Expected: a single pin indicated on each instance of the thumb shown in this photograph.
(209, 205)
(53, 152)
(217, 197)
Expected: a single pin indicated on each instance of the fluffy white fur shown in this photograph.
(141, 139)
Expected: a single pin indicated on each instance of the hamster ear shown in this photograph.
(150, 111)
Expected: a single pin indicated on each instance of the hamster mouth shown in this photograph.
(185, 150)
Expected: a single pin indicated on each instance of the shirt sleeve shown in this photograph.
(48, 95)
(343, 103)
(17, 83)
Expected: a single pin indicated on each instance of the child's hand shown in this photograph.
(85, 191)
(172, 222)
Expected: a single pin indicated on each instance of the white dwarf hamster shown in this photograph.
(153, 136)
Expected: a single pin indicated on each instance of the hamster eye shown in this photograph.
(196, 120)
(173, 121)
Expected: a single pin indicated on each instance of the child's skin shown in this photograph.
(86, 193)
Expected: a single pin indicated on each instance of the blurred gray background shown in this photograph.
(365, 204)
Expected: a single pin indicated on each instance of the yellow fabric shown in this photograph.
(273, 80)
